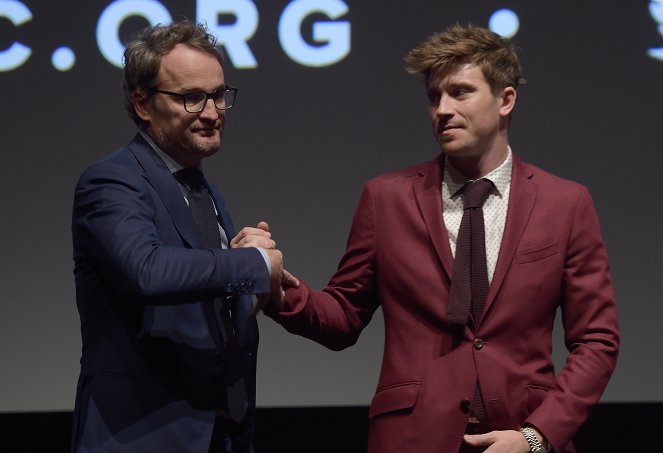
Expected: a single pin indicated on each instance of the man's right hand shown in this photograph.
(280, 278)
(261, 237)
(276, 260)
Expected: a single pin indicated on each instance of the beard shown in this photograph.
(193, 144)
(187, 145)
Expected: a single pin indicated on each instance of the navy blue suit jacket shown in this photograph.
(152, 371)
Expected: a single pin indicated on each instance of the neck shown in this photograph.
(479, 165)
(185, 159)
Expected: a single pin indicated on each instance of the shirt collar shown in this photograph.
(500, 177)
(172, 164)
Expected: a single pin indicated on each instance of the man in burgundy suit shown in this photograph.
(489, 385)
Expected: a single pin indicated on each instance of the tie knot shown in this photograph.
(190, 177)
(476, 193)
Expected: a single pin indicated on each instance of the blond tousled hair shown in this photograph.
(459, 45)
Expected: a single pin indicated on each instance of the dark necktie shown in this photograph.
(207, 226)
(469, 285)
(201, 206)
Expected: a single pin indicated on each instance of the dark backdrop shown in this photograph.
(298, 147)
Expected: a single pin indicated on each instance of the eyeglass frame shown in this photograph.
(208, 96)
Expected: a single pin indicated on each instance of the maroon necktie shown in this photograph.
(469, 284)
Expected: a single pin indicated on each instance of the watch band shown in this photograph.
(534, 444)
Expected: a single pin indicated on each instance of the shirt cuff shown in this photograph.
(265, 256)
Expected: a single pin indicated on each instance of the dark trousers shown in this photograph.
(220, 442)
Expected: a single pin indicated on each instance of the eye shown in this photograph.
(433, 98)
(194, 98)
(218, 94)
(460, 92)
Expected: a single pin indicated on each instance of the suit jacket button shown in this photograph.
(229, 288)
(465, 405)
(478, 343)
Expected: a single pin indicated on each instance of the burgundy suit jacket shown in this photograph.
(398, 257)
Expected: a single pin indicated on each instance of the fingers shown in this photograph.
(479, 440)
(263, 300)
(287, 279)
(259, 236)
(253, 237)
(276, 297)
(263, 225)
(280, 278)
(499, 441)
(276, 260)
(253, 241)
(251, 231)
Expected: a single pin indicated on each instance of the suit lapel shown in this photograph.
(223, 217)
(521, 202)
(165, 185)
(428, 193)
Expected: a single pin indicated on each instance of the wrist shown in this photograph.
(535, 440)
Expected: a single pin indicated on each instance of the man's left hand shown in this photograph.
(254, 237)
(499, 442)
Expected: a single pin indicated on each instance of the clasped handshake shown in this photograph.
(280, 278)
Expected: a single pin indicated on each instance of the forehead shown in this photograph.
(186, 66)
(467, 73)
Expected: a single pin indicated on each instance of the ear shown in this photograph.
(508, 100)
(141, 102)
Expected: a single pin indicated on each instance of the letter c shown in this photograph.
(17, 53)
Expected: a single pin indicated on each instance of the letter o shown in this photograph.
(111, 19)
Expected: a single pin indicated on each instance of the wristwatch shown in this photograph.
(534, 445)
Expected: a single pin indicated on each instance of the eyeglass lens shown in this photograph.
(195, 102)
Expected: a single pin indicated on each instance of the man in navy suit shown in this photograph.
(169, 337)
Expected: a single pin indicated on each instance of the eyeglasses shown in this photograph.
(195, 101)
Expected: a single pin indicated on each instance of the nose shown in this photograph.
(444, 106)
(209, 111)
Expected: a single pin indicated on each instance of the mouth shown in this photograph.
(207, 131)
(446, 129)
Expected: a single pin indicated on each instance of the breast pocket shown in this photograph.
(532, 254)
